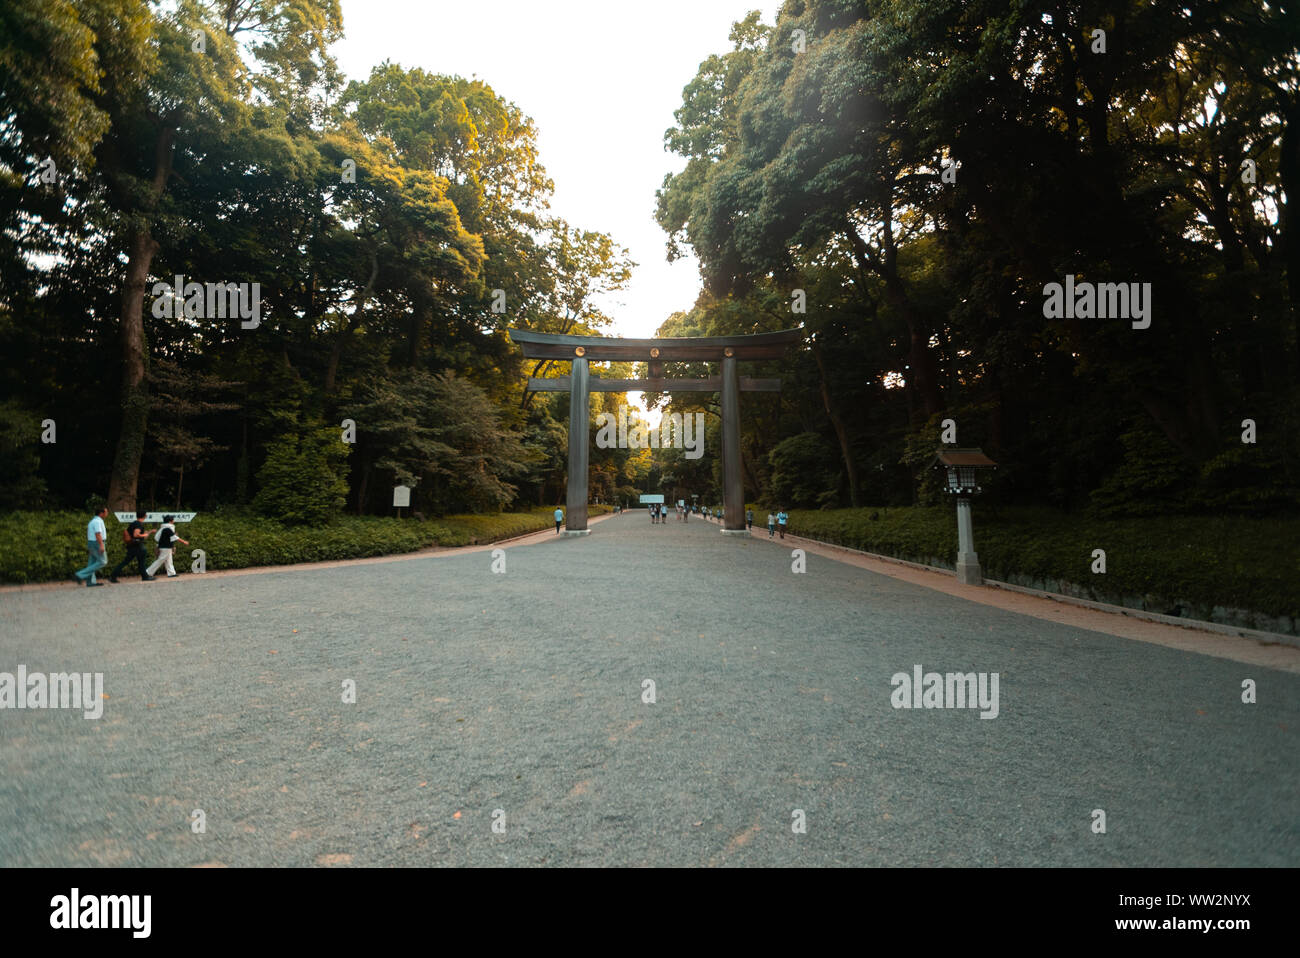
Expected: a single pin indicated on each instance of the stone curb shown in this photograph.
(1269, 638)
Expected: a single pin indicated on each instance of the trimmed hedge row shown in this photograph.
(1204, 562)
(47, 546)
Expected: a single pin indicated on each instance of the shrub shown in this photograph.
(1208, 561)
(301, 481)
(47, 546)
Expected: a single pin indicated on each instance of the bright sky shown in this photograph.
(601, 79)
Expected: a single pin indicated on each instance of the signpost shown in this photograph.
(401, 499)
(156, 516)
(649, 500)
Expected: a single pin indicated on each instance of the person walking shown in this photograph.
(559, 517)
(781, 520)
(771, 524)
(749, 519)
(96, 548)
(165, 536)
(135, 537)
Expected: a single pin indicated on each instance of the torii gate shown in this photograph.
(729, 350)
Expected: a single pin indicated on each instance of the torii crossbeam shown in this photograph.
(729, 350)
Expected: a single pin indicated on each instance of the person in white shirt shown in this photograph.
(165, 536)
(96, 548)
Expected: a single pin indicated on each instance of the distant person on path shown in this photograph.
(771, 524)
(559, 517)
(96, 548)
(165, 536)
(781, 520)
(135, 537)
(749, 519)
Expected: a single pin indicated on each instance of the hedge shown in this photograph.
(47, 546)
(1186, 565)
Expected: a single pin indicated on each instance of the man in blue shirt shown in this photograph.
(559, 517)
(781, 520)
(96, 548)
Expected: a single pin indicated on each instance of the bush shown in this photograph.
(805, 471)
(47, 546)
(301, 482)
(1208, 561)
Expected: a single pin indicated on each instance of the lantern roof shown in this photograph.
(962, 457)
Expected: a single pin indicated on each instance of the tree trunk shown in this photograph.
(331, 372)
(180, 484)
(140, 250)
(846, 452)
(363, 488)
(1289, 173)
(135, 388)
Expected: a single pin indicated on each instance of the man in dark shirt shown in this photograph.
(134, 548)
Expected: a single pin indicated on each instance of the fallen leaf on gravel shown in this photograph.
(457, 815)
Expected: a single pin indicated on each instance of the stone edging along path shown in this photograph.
(1189, 635)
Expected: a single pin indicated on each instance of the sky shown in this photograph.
(601, 79)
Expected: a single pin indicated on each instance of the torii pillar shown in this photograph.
(579, 412)
(733, 485)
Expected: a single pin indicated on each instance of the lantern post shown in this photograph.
(959, 466)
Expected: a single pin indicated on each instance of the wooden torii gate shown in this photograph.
(581, 350)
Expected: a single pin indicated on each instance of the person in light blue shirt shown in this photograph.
(96, 548)
(781, 520)
(559, 517)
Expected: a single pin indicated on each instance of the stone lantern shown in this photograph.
(961, 467)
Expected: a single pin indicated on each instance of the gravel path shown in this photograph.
(523, 692)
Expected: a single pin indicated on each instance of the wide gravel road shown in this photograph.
(519, 698)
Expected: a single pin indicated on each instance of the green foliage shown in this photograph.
(1208, 561)
(49, 546)
(20, 429)
(919, 450)
(441, 435)
(302, 480)
(804, 472)
(821, 168)
(1151, 481)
